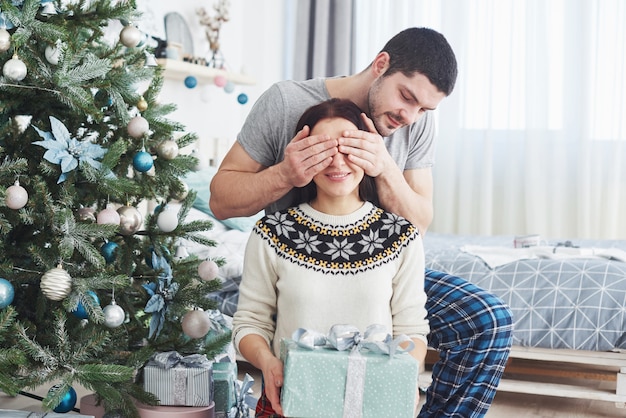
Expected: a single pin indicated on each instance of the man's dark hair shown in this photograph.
(425, 51)
(334, 108)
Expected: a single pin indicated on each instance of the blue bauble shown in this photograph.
(7, 293)
(80, 311)
(68, 401)
(229, 87)
(242, 98)
(109, 251)
(191, 82)
(142, 161)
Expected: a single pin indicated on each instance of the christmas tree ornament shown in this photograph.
(114, 315)
(142, 104)
(142, 161)
(109, 251)
(14, 69)
(56, 283)
(5, 40)
(242, 98)
(181, 253)
(182, 193)
(68, 401)
(130, 220)
(86, 214)
(52, 54)
(103, 99)
(22, 122)
(138, 127)
(108, 216)
(229, 87)
(48, 8)
(81, 311)
(196, 324)
(150, 60)
(7, 293)
(16, 196)
(220, 81)
(207, 270)
(130, 36)
(191, 81)
(167, 149)
(66, 151)
(167, 221)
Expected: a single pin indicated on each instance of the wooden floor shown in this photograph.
(506, 405)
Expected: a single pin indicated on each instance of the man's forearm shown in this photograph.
(397, 196)
(235, 193)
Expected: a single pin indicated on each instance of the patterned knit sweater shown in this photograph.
(304, 268)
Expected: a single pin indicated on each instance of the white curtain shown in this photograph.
(533, 139)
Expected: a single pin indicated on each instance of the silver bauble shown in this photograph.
(56, 283)
(52, 54)
(130, 36)
(167, 149)
(114, 315)
(5, 40)
(196, 324)
(130, 220)
(137, 127)
(14, 69)
(86, 214)
(16, 196)
(181, 194)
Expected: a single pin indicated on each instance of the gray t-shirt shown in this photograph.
(271, 125)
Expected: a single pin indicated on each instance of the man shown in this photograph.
(413, 73)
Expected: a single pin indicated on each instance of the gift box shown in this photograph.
(224, 387)
(339, 376)
(89, 405)
(179, 380)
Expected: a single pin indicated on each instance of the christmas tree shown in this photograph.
(90, 286)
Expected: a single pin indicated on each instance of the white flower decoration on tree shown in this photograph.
(66, 151)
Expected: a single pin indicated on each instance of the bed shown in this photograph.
(568, 299)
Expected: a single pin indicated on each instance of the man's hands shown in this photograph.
(367, 150)
(306, 156)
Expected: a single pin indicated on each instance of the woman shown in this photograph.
(334, 257)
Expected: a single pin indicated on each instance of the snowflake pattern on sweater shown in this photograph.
(375, 239)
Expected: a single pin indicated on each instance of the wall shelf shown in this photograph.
(178, 70)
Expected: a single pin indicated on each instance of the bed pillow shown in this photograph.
(200, 182)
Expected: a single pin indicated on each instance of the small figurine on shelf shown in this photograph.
(213, 25)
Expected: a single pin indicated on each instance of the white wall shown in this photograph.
(252, 42)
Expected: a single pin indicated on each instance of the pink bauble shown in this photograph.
(108, 216)
(196, 324)
(220, 80)
(207, 270)
(138, 127)
(16, 196)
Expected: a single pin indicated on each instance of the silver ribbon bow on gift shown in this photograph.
(170, 359)
(347, 337)
(244, 404)
(342, 337)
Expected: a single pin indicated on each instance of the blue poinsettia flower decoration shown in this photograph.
(66, 151)
(161, 294)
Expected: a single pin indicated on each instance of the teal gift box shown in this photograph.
(323, 381)
(224, 386)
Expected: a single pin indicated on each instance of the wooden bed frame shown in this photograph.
(561, 372)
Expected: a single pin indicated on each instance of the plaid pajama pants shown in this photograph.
(472, 330)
